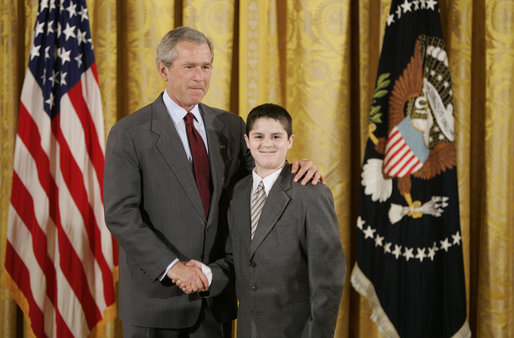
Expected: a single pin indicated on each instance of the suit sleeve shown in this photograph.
(223, 274)
(122, 200)
(246, 157)
(222, 269)
(326, 264)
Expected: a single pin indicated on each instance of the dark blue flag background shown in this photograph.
(409, 245)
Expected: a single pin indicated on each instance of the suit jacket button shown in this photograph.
(252, 264)
(254, 288)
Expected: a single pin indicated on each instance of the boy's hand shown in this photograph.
(308, 170)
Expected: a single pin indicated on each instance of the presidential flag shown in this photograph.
(409, 245)
(59, 254)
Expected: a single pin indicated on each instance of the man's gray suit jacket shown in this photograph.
(290, 277)
(153, 209)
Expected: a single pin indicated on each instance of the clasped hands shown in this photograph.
(188, 276)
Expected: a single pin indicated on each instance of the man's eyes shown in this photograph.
(191, 67)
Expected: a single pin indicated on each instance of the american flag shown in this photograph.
(59, 254)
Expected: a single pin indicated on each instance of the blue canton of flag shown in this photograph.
(61, 50)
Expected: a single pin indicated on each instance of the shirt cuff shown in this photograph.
(208, 273)
(169, 268)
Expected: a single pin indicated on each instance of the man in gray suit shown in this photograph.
(289, 263)
(169, 168)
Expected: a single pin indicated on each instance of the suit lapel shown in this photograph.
(276, 202)
(217, 142)
(171, 148)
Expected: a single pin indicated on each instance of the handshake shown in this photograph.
(189, 277)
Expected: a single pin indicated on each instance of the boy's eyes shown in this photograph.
(275, 137)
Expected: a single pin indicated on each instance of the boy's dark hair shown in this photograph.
(272, 111)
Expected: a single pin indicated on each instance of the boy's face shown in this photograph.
(268, 143)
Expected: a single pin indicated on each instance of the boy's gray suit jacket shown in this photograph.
(290, 277)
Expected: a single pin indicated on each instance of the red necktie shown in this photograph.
(200, 162)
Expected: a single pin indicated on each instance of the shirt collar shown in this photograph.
(268, 181)
(178, 113)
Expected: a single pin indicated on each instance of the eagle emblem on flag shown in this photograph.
(420, 138)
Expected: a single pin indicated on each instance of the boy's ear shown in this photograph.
(290, 141)
(246, 140)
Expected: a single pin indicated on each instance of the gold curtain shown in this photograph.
(318, 58)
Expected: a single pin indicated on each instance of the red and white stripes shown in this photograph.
(59, 253)
(399, 159)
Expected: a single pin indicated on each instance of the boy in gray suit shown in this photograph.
(289, 263)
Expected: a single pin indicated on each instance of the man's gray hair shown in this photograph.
(166, 51)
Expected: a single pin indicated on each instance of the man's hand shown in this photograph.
(308, 170)
(194, 262)
(188, 277)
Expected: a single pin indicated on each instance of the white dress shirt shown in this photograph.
(267, 181)
(177, 114)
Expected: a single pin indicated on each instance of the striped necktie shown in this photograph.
(258, 199)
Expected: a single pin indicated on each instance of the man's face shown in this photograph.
(268, 143)
(188, 77)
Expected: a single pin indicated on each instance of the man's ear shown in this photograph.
(163, 70)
